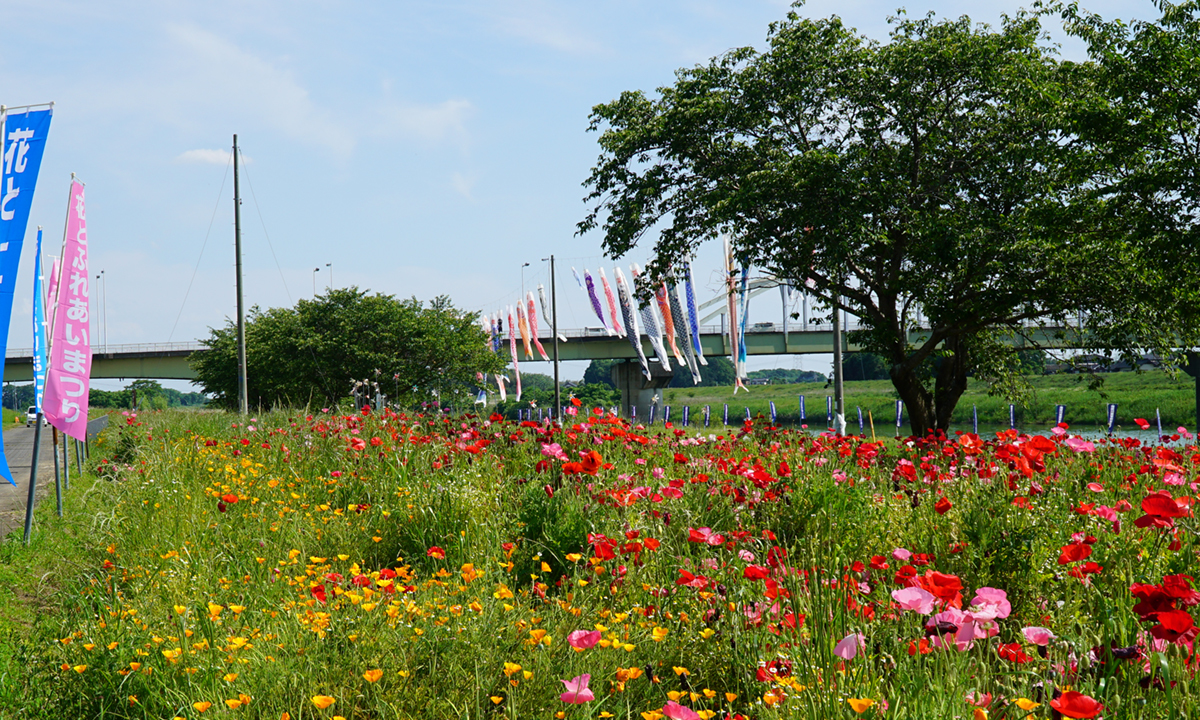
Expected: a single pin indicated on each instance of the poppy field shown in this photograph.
(382, 565)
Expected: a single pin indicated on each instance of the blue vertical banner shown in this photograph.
(725, 415)
(687, 412)
(1112, 417)
(899, 415)
(1158, 417)
(829, 410)
(667, 414)
(975, 419)
(747, 414)
(707, 413)
(633, 413)
(772, 412)
(23, 134)
(802, 416)
(650, 419)
(1012, 416)
(860, 420)
(1060, 412)
(39, 329)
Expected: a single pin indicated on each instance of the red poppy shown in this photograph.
(756, 572)
(942, 506)
(1013, 653)
(1142, 423)
(1074, 704)
(591, 462)
(947, 588)
(1173, 624)
(357, 444)
(318, 592)
(1161, 510)
(1074, 553)
(229, 499)
(436, 552)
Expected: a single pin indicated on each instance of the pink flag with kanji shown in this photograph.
(66, 399)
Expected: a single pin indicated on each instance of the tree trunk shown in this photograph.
(917, 399)
(951, 381)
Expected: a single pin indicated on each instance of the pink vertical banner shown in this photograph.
(68, 380)
(52, 290)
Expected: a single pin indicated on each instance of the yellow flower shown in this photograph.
(230, 677)
(652, 715)
(573, 557)
(237, 609)
(214, 610)
(496, 699)
(706, 633)
(730, 697)
(323, 701)
(1026, 704)
(79, 668)
(112, 645)
(201, 706)
(510, 668)
(861, 705)
(980, 714)
(234, 703)
(658, 634)
(89, 646)
(503, 593)
(373, 675)
(706, 714)
(135, 666)
(680, 670)
(468, 572)
(773, 697)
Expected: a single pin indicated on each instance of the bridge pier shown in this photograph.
(636, 390)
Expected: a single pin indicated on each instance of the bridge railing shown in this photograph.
(100, 350)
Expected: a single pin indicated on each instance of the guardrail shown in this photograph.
(124, 349)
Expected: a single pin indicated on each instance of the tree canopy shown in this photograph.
(316, 351)
(951, 170)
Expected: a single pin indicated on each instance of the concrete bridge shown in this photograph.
(169, 361)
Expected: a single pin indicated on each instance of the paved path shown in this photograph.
(18, 447)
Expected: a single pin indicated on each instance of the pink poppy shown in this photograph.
(915, 599)
(848, 647)
(583, 639)
(675, 711)
(577, 690)
(991, 604)
(901, 554)
(1080, 445)
(1038, 635)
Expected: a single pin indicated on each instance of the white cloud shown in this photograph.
(535, 22)
(208, 157)
(213, 70)
(443, 121)
(463, 184)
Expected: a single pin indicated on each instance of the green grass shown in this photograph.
(1136, 394)
(158, 593)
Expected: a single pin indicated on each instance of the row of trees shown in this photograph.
(149, 395)
(957, 168)
(315, 353)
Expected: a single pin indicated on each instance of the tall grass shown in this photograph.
(406, 566)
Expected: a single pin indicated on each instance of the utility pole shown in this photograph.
(554, 329)
(839, 394)
(243, 392)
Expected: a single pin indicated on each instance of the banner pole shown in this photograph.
(37, 441)
(58, 487)
(66, 464)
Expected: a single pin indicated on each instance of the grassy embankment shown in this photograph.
(1137, 395)
(395, 568)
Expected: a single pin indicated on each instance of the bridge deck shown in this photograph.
(169, 361)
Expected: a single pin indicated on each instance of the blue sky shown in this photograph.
(421, 148)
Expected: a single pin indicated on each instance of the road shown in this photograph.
(18, 447)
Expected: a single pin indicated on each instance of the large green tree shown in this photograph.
(1145, 125)
(316, 351)
(940, 170)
